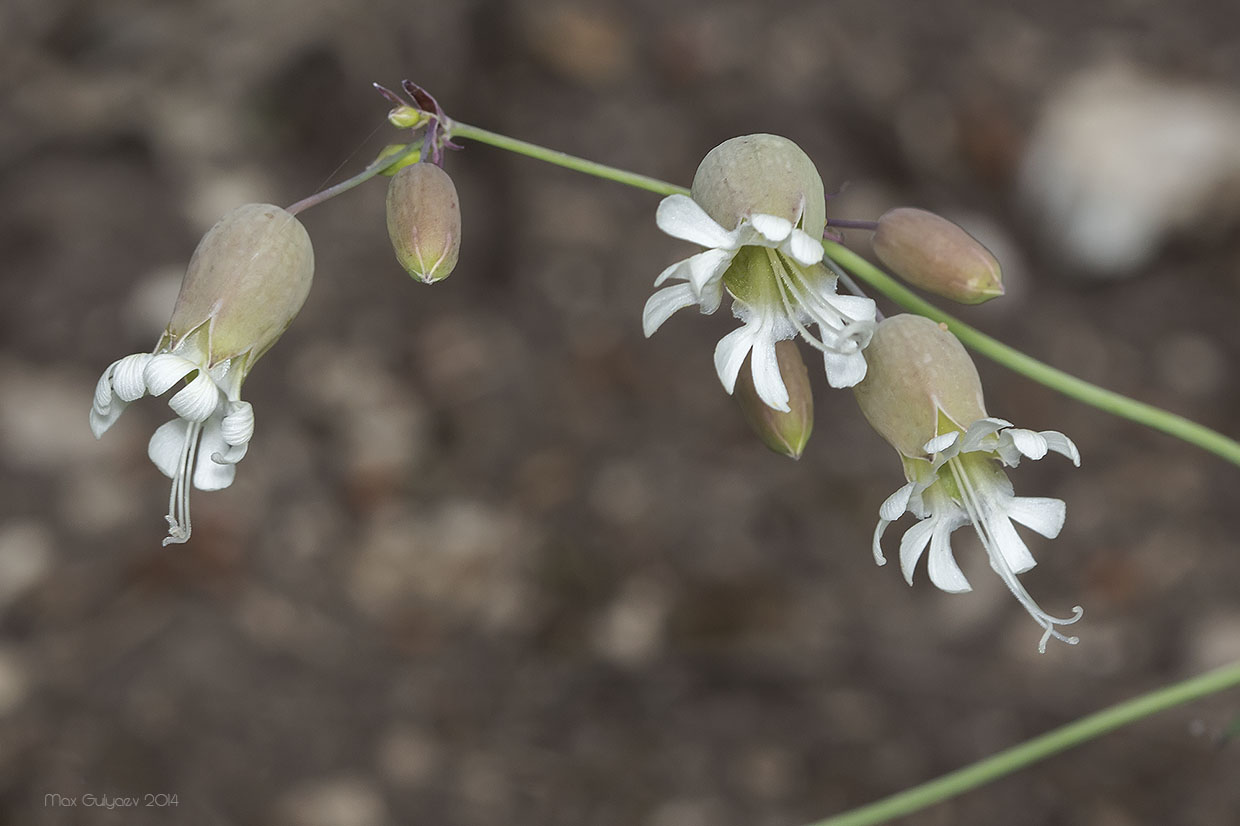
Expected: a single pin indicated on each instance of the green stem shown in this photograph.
(374, 168)
(1014, 360)
(1039, 748)
(532, 150)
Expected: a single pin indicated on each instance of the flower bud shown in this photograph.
(248, 277)
(397, 149)
(424, 221)
(761, 174)
(786, 433)
(405, 116)
(931, 252)
(918, 373)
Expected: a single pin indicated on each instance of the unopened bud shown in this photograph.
(785, 433)
(918, 373)
(761, 175)
(406, 117)
(931, 252)
(391, 149)
(248, 277)
(424, 221)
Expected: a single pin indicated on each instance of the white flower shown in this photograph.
(244, 285)
(213, 426)
(772, 269)
(963, 483)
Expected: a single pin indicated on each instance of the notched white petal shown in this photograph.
(1009, 543)
(941, 442)
(663, 304)
(166, 446)
(681, 217)
(844, 370)
(237, 426)
(1038, 513)
(771, 227)
(913, 545)
(941, 564)
(129, 376)
(767, 380)
(803, 248)
(896, 504)
(676, 272)
(165, 370)
(1028, 443)
(730, 354)
(1062, 445)
(197, 400)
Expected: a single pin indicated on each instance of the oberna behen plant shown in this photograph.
(923, 395)
(758, 206)
(246, 281)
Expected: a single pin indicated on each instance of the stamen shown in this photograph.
(179, 526)
(783, 289)
(979, 512)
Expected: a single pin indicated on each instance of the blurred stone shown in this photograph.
(619, 493)
(91, 502)
(43, 417)
(1120, 161)
(631, 630)
(336, 801)
(25, 557)
(1213, 641)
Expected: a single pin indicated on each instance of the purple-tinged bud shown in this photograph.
(424, 221)
(786, 433)
(931, 252)
(920, 383)
(245, 283)
(761, 175)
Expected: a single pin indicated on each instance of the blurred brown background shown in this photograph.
(495, 558)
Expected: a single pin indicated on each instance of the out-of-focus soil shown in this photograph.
(493, 557)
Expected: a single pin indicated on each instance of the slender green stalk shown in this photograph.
(1039, 748)
(532, 150)
(374, 168)
(1014, 360)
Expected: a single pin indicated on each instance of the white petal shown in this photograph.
(129, 377)
(979, 431)
(681, 217)
(844, 370)
(710, 295)
(803, 248)
(1062, 445)
(210, 474)
(197, 400)
(1028, 443)
(941, 564)
(853, 307)
(1041, 514)
(165, 370)
(878, 541)
(771, 227)
(676, 272)
(1009, 543)
(912, 545)
(237, 427)
(941, 442)
(896, 504)
(664, 303)
(730, 354)
(166, 445)
(708, 267)
(101, 420)
(767, 380)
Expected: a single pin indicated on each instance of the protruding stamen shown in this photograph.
(979, 513)
(179, 525)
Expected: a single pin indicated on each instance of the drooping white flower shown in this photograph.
(246, 281)
(923, 395)
(769, 262)
(963, 484)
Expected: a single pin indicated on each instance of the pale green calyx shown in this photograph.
(931, 252)
(246, 282)
(424, 221)
(761, 175)
(785, 432)
(919, 374)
